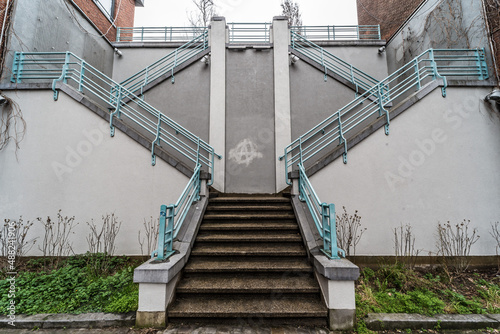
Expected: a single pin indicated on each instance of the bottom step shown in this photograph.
(253, 321)
(243, 306)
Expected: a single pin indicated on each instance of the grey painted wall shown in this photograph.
(440, 163)
(49, 26)
(313, 99)
(365, 58)
(135, 59)
(250, 151)
(69, 161)
(187, 101)
(440, 24)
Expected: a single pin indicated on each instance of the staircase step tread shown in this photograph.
(253, 207)
(238, 283)
(268, 236)
(248, 216)
(248, 226)
(257, 249)
(247, 264)
(236, 199)
(217, 306)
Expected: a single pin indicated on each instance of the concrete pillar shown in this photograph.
(282, 118)
(217, 129)
(153, 301)
(339, 296)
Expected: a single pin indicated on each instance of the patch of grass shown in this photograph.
(396, 289)
(73, 289)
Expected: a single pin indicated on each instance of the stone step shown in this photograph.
(277, 283)
(248, 199)
(256, 216)
(234, 306)
(249, 226)
(207, 264)
(251, 208)
(255, 249)
(249, 236)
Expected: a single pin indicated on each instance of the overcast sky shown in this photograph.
(314, 12)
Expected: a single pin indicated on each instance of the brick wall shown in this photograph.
(125, 15)
(493, 16)
(390, 14)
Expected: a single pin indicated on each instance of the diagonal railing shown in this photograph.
(331, 63)
(166, 64)
(123, 104)
(356, 115)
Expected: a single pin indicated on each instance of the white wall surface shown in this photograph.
(440, 163)
(69, 161)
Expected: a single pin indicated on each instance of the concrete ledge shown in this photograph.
(390, 321)
(85, 320)
(164, 272)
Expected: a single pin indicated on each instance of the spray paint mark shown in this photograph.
(244, 153)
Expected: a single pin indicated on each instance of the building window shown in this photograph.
(107, 7)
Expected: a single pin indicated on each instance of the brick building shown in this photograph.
(390, 14)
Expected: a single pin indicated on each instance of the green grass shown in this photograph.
(395, 289)
(73, 288)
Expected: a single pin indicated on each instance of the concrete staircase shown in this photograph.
(249, 266)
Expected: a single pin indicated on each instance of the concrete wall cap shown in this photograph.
(218, 18)
(280, 18)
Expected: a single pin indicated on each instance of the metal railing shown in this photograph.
(158, 34)
(331, 62)
(166, 64)
(249, 32)
(69, 68)
(338, 33)
(430, 65)
(172, 216)
(323, 215)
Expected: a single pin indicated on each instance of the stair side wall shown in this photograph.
(439, 163)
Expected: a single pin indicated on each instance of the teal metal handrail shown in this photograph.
(123, 104)
(331, 62)
(249, 32)
(430, 65)
(158, 34)
(173, 216)
(166, 64)
(336, 33)
(323, 215)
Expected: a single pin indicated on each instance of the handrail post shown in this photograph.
(378, 30)
(82, 76)
(118, 31)
(435, 73)
(381, 107)
(155, 141)
(17, 66)
(142, 34)
(64, 72)
(417, 72)
(116, 112)
(479, 64)
(342, 139)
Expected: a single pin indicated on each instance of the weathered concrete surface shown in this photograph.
(85, 320)
(390, 321)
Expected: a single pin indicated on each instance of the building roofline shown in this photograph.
(139, 3)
